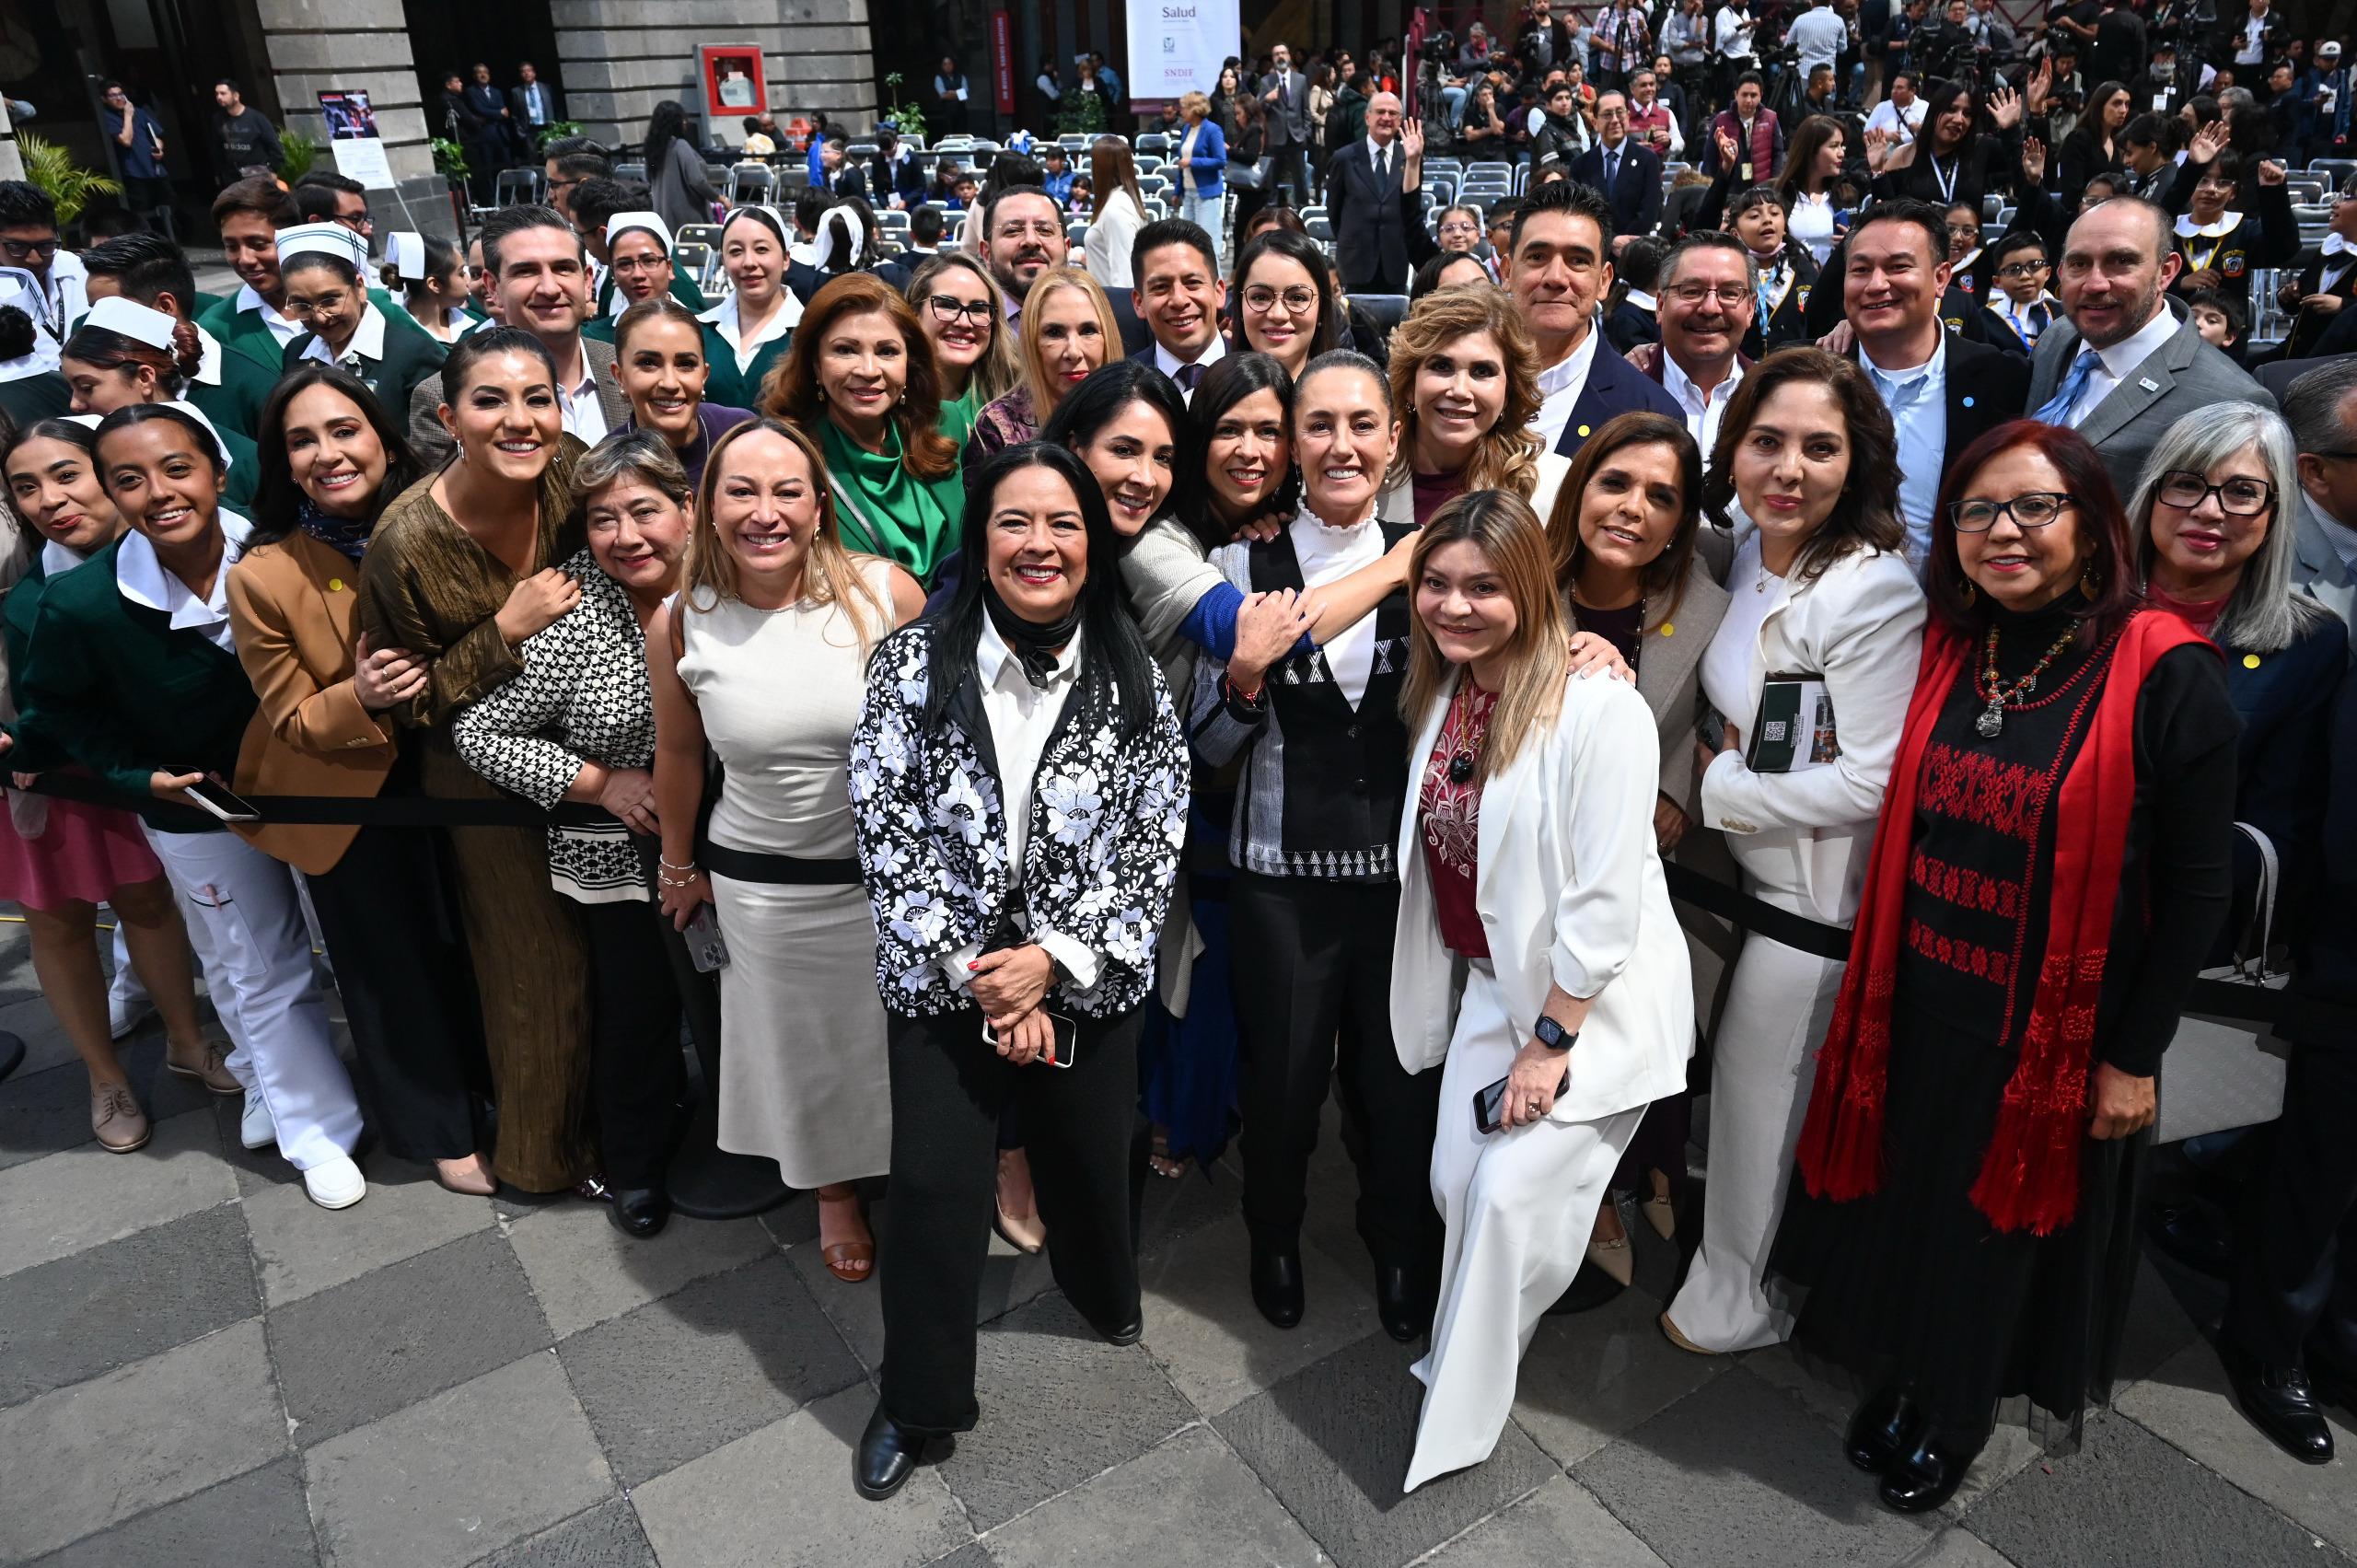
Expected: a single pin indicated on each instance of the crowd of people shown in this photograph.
(1042, 709)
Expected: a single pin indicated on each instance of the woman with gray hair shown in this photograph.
(578, 723)
(2215, 544)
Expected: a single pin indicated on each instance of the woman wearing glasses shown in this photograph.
(2053, 856)
(1068, 332)
(1284, 299)
(1823, 611)
(2209, 551)
(964, 316)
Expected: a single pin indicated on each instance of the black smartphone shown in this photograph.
(1711, 729)
(1063, 1050)
(222, 801)
(1489, 1106)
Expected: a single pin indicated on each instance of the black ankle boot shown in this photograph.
(1884, 1428)
(886, 1458)
(1926, 1476)
(1401, 1304)
(639, 1211)
(1276, 1283)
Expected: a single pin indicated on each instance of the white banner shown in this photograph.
(1176, 46)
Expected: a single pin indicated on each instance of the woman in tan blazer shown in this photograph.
(329, 458)
(1629, 544)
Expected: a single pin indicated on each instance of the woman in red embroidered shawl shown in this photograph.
(2053, 859)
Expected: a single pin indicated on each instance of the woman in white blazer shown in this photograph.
(1819, 589)
(1528, 866)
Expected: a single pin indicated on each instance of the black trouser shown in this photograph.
(634, 1064)
(947, 1087)
(2296, 1267)
(388, 916)
(1289, 167)
(1313, 1002)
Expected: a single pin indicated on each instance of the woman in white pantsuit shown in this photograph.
(1818, 588)
(1528, 866)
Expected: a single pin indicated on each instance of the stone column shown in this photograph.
(622, 57)
(324, 45)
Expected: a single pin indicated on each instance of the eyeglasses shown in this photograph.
(2034, 510)
(1296, 301)
(1730, 296)
(20, 249)
(2024, 269)
(950, 311)
(1969, 230)
(2239, 497)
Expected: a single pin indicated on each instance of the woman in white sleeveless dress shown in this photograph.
(763, 656)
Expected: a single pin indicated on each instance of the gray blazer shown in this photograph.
(2182, 376)
(2316, 568)
(1289, 115)
(431, 443)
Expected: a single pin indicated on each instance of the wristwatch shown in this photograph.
(1552, 1035)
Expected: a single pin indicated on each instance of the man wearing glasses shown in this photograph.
(44, 281)
(2123, 367)
(1941, 389)
(1708, 294)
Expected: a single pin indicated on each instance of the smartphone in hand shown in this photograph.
(222, 802)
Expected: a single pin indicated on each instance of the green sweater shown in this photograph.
(729, 387)
(409, 358)
(124, 695)
(253, 358)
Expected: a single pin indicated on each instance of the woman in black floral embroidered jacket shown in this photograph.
(1018, 782)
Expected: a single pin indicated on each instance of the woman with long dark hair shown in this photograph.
(1812, 162)
(331, 462)
(2093, 146)
(1284, 299)
(1950, 161)
(2054, 857)
(59, 858)
(1121, 212)
(1015, 968)
(1822, 611)
(675, 176)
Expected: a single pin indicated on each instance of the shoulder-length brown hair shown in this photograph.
(1866, 515)
(1045, 391)
(792, 392)
(1507, 532)
(1112, 168)
(1506, 457)
(1667, 573)
(2101, 520)
(828, 576)
(993, 375)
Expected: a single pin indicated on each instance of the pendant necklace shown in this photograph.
(1991, 722)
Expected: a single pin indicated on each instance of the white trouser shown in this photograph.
(1211, 212)
(263, 990)
(1519, 1207)
(1778, 1006)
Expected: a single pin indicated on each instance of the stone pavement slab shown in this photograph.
(605, 1537)
(1058, 1405)
(726, 1355)
(1739, 1475)
(728, 1510)
(456, 1477)
(1333, 1440)
(1010, 1279)
(1189, 1500)
(304, 1249)
(1202, 1328)
(1560, 1522)
(53, 1208)
(382, 1343)
(76, 1317)
(584, 1271)
(2126, 1491)
(1589, 1376)
(87, 1457)
(2186, 1403)
(255, 1520)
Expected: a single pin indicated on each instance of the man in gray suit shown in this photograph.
(2127, 367)
(1285, 93)
(2322, 409)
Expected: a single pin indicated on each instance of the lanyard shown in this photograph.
(1947, 181)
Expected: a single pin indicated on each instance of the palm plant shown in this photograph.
(296, 154)
(69, 185)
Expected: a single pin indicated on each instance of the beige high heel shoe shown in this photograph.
(1613, 1253)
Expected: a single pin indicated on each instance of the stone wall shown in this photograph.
(619, 58)
(319, 45)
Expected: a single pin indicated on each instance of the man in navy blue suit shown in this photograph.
(1627, 171)
(1558, 265)
(1178, 295)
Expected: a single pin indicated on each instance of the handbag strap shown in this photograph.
(2250, 960)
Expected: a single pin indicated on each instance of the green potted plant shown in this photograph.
(68, 184)
(296, 154)
(554, 129)
(908, 117)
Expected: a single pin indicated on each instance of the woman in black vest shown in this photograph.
(1324, 759)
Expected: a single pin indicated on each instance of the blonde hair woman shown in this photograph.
(1465, 379)
(769, 586)
(1068, 334)
(1554, 912)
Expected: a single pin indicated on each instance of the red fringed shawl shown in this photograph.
(2029, 1178)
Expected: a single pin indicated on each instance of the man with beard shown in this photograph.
(2125, 368)
(1941, 389)
(1023, 235)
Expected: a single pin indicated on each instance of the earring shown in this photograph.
(2089, 584)
(1970, 593)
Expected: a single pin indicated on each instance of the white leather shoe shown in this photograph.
(337, 1184)
(256, 1130)
(124, 1015)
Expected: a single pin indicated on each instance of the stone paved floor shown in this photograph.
(198, 1367)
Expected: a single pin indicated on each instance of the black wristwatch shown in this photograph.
(1552, 1035)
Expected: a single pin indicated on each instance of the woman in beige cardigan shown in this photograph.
(329, 460)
